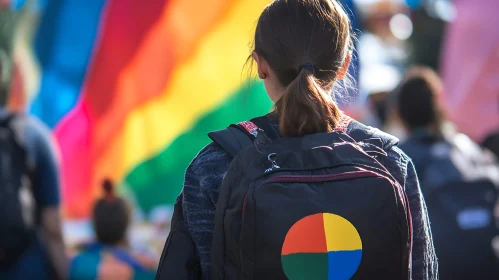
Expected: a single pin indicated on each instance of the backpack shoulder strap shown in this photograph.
(265, 124)
(6, 120)
(363, 133)
(231, 139)
(241, 135)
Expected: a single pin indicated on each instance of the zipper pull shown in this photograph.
(271, 157)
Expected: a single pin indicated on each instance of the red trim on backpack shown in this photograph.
(250, 127)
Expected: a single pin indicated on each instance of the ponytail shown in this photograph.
(305, 107)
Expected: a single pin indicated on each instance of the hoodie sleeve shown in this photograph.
(424, 260)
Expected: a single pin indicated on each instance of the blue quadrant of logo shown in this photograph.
(342, 265)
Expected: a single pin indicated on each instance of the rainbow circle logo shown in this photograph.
(321, 246)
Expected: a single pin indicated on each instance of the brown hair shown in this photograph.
(111, 216)
(417, 99)
(310, 33)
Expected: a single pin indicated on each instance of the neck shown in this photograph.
(122, 244)
(432, 129)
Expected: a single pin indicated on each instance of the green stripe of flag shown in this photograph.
(160, 179)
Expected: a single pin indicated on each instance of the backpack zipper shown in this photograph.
(321, 178)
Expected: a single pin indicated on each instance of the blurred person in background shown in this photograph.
(382, 55)
(492, 143)
(31, 241)
(458, 178)
(470, 69)
(430, 18)
(160, 218)
(110, 257)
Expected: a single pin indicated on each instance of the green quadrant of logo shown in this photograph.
(306, 266)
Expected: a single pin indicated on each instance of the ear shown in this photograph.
(263, 68)
(342, 72)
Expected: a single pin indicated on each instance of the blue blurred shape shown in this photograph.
(413, 4)
(17, 4)
(64, 43)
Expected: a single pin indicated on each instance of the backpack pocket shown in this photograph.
(337, 223)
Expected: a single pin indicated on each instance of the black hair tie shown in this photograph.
(309, 66)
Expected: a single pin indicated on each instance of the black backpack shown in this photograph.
(320, 206)
(460, 183)
(16, 202)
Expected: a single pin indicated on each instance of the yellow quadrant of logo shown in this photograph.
(341, 235)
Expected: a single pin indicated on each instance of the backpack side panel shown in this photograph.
(225, 253)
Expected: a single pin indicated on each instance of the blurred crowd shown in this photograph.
(454, 38)
(426, 71)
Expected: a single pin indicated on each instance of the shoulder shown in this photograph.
(402, 169)
(86, 257)
(398, 156)
(35, 135)
(146, 261)
(361, 132)
(211, 159)
(396, 162)
(205, 174)
(84, 265)
(29, 125)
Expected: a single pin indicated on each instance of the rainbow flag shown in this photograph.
(131, 89)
